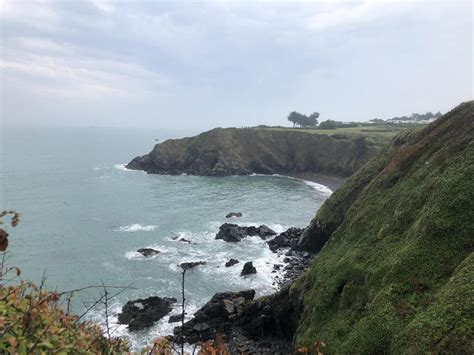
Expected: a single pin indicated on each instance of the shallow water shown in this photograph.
(84, 216)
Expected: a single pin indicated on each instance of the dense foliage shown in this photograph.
(302, 120)
(397, 274)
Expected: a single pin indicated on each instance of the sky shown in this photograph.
(198, 65)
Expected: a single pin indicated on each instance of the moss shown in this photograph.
(397, 273)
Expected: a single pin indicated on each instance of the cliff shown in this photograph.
(243, 151)
(395, 268)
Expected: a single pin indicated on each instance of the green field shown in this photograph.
(378, 134)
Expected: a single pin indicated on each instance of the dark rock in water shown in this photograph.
(148, 251)
(191, 264)
(233, 214)
(277, 266)
(234, 233)
(231, 232)
(175, 318)
(183, 240)
(215, 316)
(231, 262)
(142, 313)
(290, 238)
(248, 269)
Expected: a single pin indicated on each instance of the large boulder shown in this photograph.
(143, 313)
(216, 316)
(191, 264)
(248, 269)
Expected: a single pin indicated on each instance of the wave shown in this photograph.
(137, 228)
(323, 189)
(121, 167)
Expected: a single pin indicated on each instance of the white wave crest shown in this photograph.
(121, 167)
(137, 228)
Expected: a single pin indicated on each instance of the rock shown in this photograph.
(231, 262)
(234, 233)
(265, 231)
(217, 315)
(229, 306)
(306, 254)
(142, 313)
(175, 318)
(233, 214)
(184, 240)
(248, 269)
(148, 251)
(231, 233)
(191, 264)
(289, 238)
(277, 266)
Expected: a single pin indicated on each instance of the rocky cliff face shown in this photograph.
(234, 151)
(395, 268)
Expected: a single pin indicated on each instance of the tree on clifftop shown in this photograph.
(302, 120)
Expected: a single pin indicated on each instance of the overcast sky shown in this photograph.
(220, 63)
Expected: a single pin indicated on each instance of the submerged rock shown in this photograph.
(233, 214)
(175, 318)
(248, 269)
(231, 262)
(191, 264)
(148, 251)
(143, 313)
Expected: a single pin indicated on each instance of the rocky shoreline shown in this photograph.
(245, 323)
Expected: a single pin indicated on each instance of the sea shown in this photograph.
(84, 215)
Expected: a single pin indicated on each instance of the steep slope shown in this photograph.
(397, 272)
(242, 151)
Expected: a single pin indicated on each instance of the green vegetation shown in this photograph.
(302, 120)
(397, 274)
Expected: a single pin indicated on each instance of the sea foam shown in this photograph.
(137, 228)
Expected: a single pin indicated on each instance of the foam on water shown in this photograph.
(323, 189)
(137, 228)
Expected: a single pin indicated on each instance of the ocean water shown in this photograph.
(84, 216)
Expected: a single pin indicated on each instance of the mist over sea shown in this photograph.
(84, 216)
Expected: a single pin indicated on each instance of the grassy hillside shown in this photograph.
(397, 274)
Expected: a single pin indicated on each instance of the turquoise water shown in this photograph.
(84, 216)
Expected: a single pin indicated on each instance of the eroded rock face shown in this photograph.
(248, 269)
(143, 313)
(234, 233)
(217, 315)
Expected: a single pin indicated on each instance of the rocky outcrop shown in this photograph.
(244, 151)
(248, 269)
(288, 239)
(215, 316)
(234, 233)
(143, 313)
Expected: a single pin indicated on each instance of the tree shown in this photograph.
(294, 117)
(313, 118)
(328, 124)
(302, 120)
